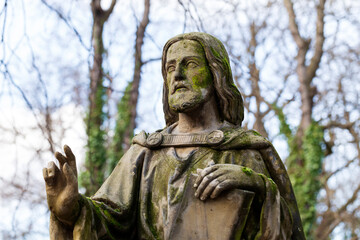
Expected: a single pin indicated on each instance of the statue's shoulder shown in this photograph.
(140, 138)
(240, 138)
(148, 139)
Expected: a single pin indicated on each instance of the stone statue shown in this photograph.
(201, 177)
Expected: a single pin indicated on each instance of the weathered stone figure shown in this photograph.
(201, 177)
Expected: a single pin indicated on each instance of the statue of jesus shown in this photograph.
(201, 177)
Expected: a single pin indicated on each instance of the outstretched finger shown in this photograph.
(61, 158)
(49, 180)
(52, 169)
(70, 175)
(50, 173)
(71, 158)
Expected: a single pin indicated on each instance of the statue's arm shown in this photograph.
(280, 176)
(276, 218)
(111, 211)
(215, 179)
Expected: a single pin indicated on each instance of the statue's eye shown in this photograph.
(191, 64)
(170, 69)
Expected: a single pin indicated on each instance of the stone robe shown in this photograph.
(149, 195)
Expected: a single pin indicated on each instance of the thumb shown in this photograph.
(69, 175)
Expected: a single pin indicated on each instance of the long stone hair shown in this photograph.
(230, 102)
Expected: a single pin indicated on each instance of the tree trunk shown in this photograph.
(96, 156)
(134, 93)
(304, 162)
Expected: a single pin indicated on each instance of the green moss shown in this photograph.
(226, 61)
(198, 79)
(256, 133)
(152, 217)
(175, 195)
(247, 138)
(247, 171)
(102, 210)
(215, 53)
(273, 185)
(221, 56)
(109, 216)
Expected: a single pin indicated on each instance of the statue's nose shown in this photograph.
(179, 74)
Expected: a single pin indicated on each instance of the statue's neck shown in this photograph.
(205, 118)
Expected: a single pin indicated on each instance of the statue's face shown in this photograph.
(189, 79)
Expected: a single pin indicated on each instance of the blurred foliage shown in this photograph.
(96, 154)
(122, 125)
(304, 165)
(101, 159)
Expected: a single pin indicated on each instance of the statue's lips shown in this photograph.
(179, 87)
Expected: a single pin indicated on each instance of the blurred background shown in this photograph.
(87, 73)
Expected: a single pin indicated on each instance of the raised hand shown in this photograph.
(62, 187)
(217, 178)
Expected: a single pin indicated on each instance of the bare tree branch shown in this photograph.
(319, 41)
(293, 26)
(4, 11)
(68, 23)
(134, 92)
